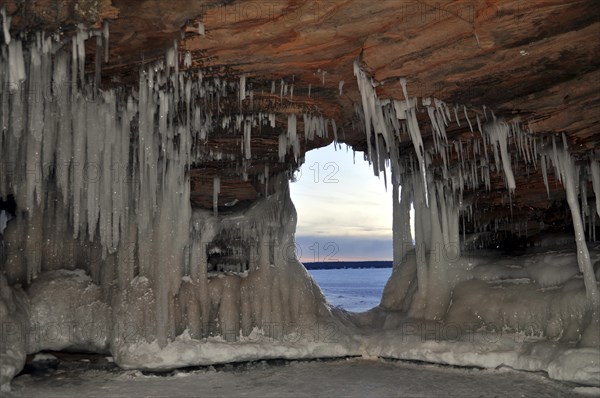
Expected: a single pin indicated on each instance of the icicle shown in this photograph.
(201, 29)
(594, 228)
(341, 86)
(555, 160)
(417, 140)
(592, 224)
(335, 136)
(272, 119)
(498, 131)
(545, 175)
(242, 88)
(5, 25)
(16, 73)
(292, 137)
(368, 100)
(247, 139)
(98, 63)
(591, 215)
(456, 116)
(584, 202)
(105, 39)
(432, 119)
(570, 176)
(81, 36)
(309, 87)
(442, 122)
(283, 144)
(187, 60)
(468, 120)
(447, 113)
(595, 172)
(266, 180)
(216, 192)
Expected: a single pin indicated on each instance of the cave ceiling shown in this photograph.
(532, 60)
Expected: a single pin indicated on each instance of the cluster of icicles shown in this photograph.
(58, 128)
(435, 189)
(116, 162)
(64, 139)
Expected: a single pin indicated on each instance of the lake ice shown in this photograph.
(356, 289)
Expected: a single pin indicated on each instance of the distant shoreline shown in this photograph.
(347, 264)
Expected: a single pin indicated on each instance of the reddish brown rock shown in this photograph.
(537, 60)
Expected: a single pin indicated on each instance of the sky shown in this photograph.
(344, 210)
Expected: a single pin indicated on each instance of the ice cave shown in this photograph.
(147, 151)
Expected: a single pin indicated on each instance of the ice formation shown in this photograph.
(431, 278)
(122, 204)
(570, 177)
(5, 25)
(595, 171)
(105, 233)
(498, 133)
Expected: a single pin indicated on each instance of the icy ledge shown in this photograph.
(186, 351)
(578, 365)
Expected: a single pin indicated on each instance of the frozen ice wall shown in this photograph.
(434, 278)
(105, 235)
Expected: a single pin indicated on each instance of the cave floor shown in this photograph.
(353, 377)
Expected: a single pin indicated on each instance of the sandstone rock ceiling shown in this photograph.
(534, 59)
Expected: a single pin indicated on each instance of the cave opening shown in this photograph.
(344, 236)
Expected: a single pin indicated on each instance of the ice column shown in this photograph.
(595, 171)
(216, 191)
(570, 175)
(398, 289)
(498, 132)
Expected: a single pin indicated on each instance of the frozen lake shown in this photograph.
(357, 289)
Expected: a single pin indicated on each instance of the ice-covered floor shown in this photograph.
(351, 377)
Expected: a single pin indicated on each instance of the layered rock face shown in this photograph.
(148, 147)
(531, 61)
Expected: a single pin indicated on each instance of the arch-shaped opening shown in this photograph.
(344, 231)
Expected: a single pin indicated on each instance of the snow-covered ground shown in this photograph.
(348, 378)
(357, 289)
